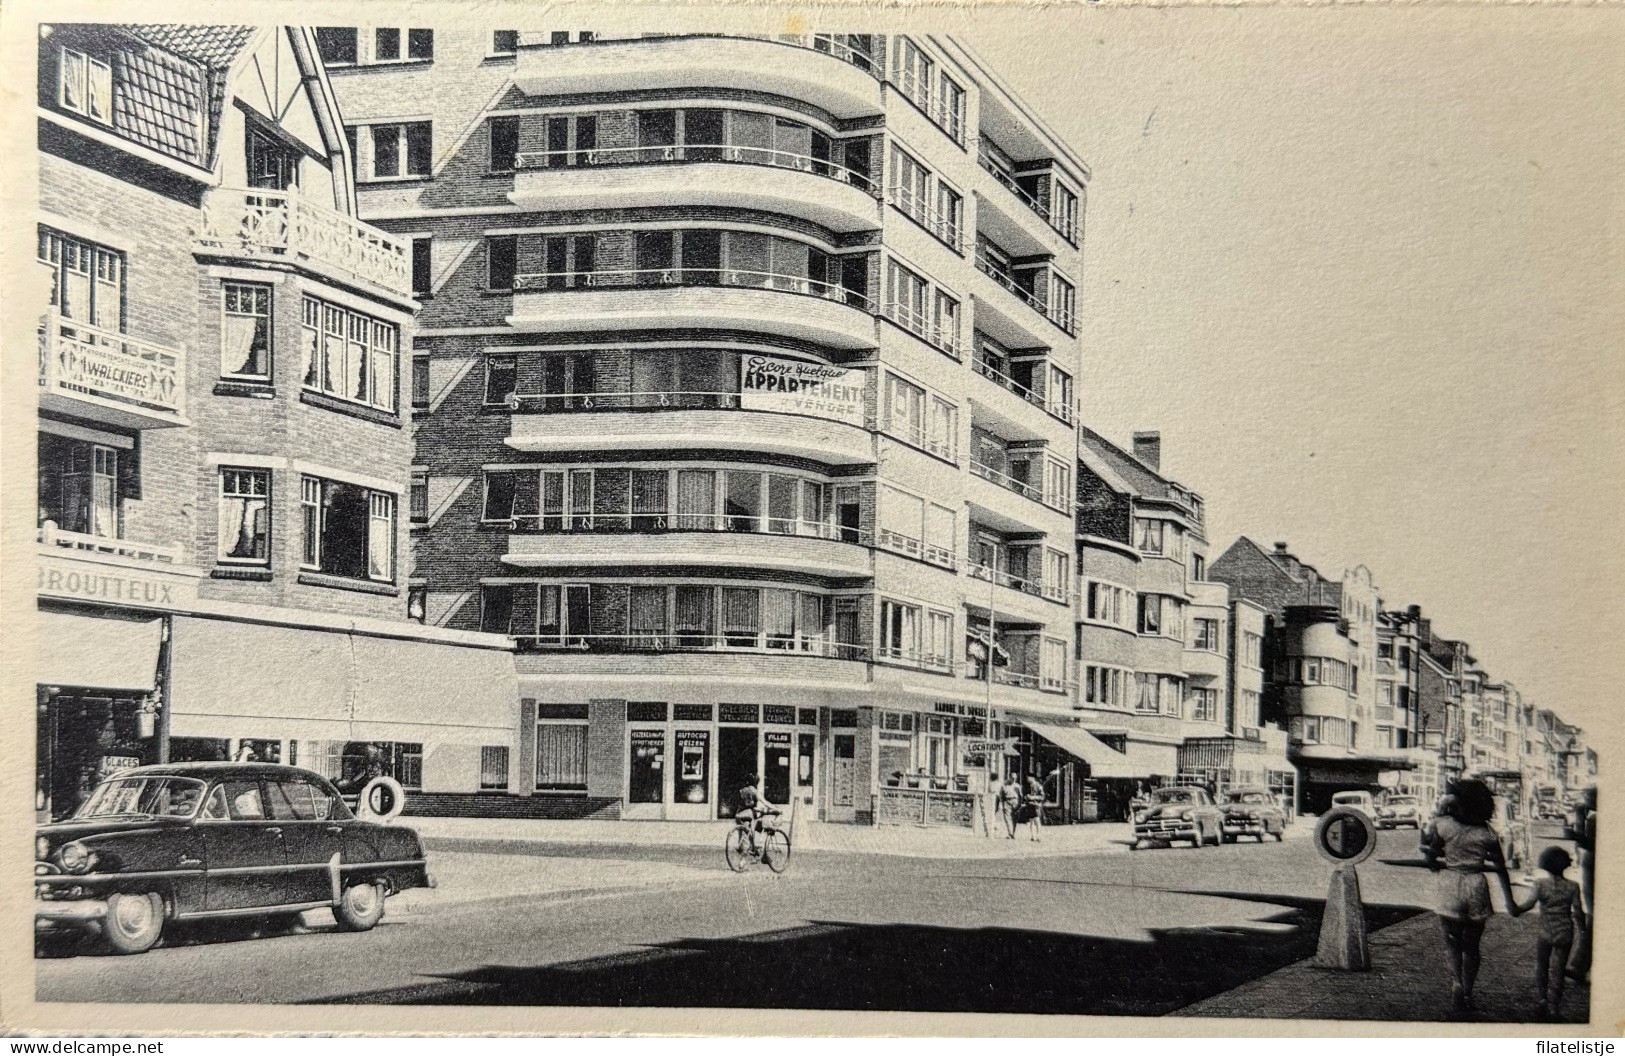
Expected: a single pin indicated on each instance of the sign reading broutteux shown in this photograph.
(786, 386)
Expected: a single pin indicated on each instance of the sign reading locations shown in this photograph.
(790, 387)
(1345, 837)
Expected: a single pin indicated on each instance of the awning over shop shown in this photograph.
(1103, 760)
(96, 652)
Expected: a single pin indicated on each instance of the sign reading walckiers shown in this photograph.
(91, 581)
(789, 387)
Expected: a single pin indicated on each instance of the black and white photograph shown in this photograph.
(1067, 512)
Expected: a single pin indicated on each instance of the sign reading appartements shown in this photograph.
(789, 387)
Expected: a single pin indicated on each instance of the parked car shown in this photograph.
(1399, 810)
(191, 841)
(1360, 801)
(1251, 812)
(1179, 812)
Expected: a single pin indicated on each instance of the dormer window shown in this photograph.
(272, 165)
(86, 86)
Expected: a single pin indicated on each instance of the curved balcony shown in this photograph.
(1204, 664)
(590, 429)
(1015, 598)
(286, 227)
(726, 176)
(788, 305)
(820, 75)
(786, 546)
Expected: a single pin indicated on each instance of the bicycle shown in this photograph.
(773, 849)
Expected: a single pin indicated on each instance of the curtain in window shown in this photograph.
(693, 615)
(381, 537)
(244, 530)
(652, 379)
(522, 616)
(779, 617)
(242, 342)
(696, 499)
(648, 499)
(810, 622)
(561, 756)
(648, 617)
(741, 615)
(750, 258)
(745, 130)
(792, 259)
(781, 504)
(743, 501)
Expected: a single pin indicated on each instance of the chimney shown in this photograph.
(1148, 449)
(1284, 558)
(1415, 612)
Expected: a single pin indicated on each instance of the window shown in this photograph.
(908, 185)
(1252, 649)
(1064, 211)
(504, 133)
(1109, 604)
(1151, 613)
(420, 381)
(272, 165)
(570, 140)
(402, 150)
(493, 766)
(87, 280)
(504, 42)
(905, 410)
(245, 332)
(1157, 694)
(950, 214)
(245, 516)
(1057, 575)
(349, 530)
(1108, 687)
(1204, 705)
(336, 45)
(914, 73)
(561, 747)
(420, 43)
(420, 496)
(1306, 728)
(939, 644)
(85, 86)
(899, 631)
(950, 108)
(945, 323)
(906, 295)
(1063, 303)
(1052, 664)
(1148, 535)
(1057, 484)
(349, 355)
(387, 45)
(79, 486)
(501, 261)
(1198, 568)
(422, 273)
(1206, 635)
(1249, 708)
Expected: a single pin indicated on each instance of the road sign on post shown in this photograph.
(1345, 838)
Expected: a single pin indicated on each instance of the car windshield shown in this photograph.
(1246, 797)
(1402, 801)
(158, 797)
(1173, 795)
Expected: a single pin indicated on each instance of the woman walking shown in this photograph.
(1461, 847)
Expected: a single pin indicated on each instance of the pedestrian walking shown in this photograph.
(1009, 803)
(1461, 846)
(1583, 831)
(1561, 916)
(1034, 805)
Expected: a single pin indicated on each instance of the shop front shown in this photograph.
(934, 767)
(688, 762)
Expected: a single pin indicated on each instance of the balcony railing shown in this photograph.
(688, 641)
(1025, 197)
(1062, 411)
(1053, 591)
(544, 160)
(51, 535)
(944, 337)
(907, 657)
(829, 45)
(76, 359)
(642, 400)
(682, 276)
(909, 546)
(1003, 676)
(1006, 481)
(659, 521)
(283, 225)
(947, 228)
(1007, 278)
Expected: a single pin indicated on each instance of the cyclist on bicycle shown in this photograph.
(752, 808)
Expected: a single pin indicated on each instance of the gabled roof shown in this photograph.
(1140, 478)
(215, 46)
(155, 92)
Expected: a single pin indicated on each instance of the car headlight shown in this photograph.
(1184, 815)
(75, 858)
(42, 848)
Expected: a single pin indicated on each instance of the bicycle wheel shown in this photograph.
(776, 851)
(736, 848)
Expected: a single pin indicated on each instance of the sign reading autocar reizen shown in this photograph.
(787, 386)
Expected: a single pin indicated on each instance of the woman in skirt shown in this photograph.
(1462, 847)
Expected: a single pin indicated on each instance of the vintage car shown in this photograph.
(1399, 810)
(1360, 801)
(192, 841)
(1179, 812)
(1251, 812)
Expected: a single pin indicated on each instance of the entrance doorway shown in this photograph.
(646, 774)
(736, 765)
(776, 768)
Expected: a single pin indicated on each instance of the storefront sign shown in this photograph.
(990, 747)
(88, 581)
(773, 737)
(738, 713)
(789, 387)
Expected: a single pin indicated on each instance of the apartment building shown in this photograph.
(223, 454)
(1401, 636)
(1321, 650)
(744, 385)
(1171, 668)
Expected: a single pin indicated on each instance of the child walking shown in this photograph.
(1561, 915)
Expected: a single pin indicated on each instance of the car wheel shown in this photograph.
(360, 907)
(1230, 837)
(134, 923)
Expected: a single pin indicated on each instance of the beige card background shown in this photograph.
(1500, 282)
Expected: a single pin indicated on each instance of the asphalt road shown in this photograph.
(1115, 932)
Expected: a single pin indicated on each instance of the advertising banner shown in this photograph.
(789, 387)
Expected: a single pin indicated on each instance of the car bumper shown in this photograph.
(69, 913)
(1239, 827)
(1180, 830)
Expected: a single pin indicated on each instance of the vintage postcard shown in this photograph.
(551, 518)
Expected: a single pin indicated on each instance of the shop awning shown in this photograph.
(96, 653)
(1103, 760)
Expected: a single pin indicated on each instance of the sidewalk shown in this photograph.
(1409, 981)
(906, 841)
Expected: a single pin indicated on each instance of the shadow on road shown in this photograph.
(907, 967)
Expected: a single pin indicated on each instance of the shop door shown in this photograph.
(806, 749)
(776, 768)
(691, 778)
(843, 778)
(646, 775)
(736, 765)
